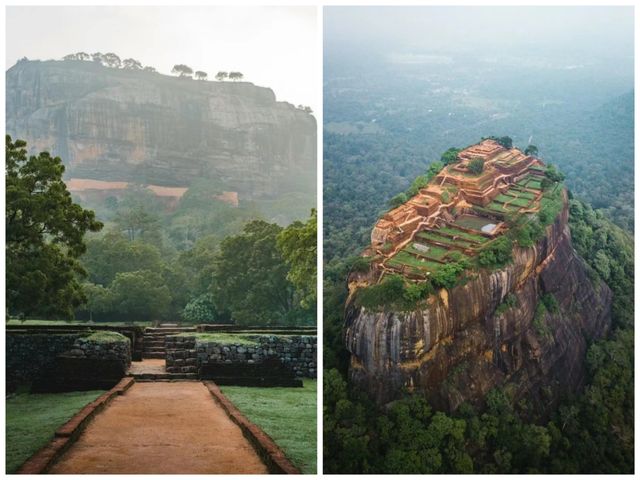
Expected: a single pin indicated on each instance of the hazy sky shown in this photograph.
(273, 46)
(585, 31)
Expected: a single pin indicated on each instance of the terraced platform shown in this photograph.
(466, 211)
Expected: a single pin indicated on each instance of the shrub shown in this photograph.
(496, 254)
(201, 309)
(476, 166)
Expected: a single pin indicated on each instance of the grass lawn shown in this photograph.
(288, 415)
(32, 419)
(432, 251)
(75, 323)
(224, 338)
(520, 202)
(464, 235)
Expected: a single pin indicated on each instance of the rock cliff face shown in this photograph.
(149, 128)
(458, 347)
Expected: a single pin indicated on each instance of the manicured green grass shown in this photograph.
(224, 338)
(503, 198)
(288, 415)
(32, 419)
(75, 323)
(523, 194)
(462, 234)
(406, 258)
(433, 251)
(473, 222)
(520, 202)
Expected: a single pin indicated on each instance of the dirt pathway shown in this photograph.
(162, 427)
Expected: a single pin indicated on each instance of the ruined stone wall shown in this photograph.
(31, 356)
(298, 352)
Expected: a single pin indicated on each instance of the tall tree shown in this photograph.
(235, 76)
(200, 75)
(112, 60)
(131, 64)
(220, 76)
(298, 244)
(182, 70)
(250, 276)
(44, 235)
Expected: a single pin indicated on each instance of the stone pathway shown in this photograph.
(160, 427)
(153, 370)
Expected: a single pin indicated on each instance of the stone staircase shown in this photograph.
(154, 339)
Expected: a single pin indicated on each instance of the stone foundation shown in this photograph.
(61, 362)
(185, 354)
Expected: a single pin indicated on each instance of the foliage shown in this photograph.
(447, 275)
(496, 254)
(450, 156)
(531, 150)
(140, 295)
(44, 235)
(298, 245)
(288, 415)
(388, 293)
(505, 141)
(476, 166)
(398, 200)
(250, 277)
(509, 301)
(182, 70)
(202, 309)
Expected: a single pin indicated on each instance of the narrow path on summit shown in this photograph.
(162, 427)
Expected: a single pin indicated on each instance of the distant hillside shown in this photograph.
(133, 126)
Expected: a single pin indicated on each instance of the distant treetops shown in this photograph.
(111, 60)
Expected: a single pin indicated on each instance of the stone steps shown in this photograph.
(154, 339)
(153, 355)
(164, 377)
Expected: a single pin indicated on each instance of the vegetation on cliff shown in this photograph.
(592, 432)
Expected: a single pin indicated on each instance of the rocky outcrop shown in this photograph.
(118, 125)
(460, 344)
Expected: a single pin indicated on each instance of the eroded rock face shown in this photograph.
(149, 128)
(458, 347)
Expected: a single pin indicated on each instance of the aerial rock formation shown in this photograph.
(142, 127)
(490, 331)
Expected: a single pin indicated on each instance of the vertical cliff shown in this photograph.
(118, 125)
(461, 342)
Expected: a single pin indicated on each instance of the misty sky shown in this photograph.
(273, 46)
(537, 31)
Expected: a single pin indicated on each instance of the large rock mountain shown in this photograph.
(118, 125)
(460, 344)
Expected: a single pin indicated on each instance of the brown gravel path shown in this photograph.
(162, 427)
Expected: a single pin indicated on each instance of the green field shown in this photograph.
(520, 202)
(433, 252)
(77, 323)
(535, 184)
(504, 198)
(288, 415)
(473, 222)
(32, 419)
(465, 235)
(224, 338)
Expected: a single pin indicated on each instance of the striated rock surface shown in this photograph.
(133, 126)
(458, 347)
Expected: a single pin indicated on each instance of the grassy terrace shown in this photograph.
(288, 415)
(76, 323)
(223, 338)
(32, 420)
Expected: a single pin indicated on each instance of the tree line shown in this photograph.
(111, 60)
(60, 264)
